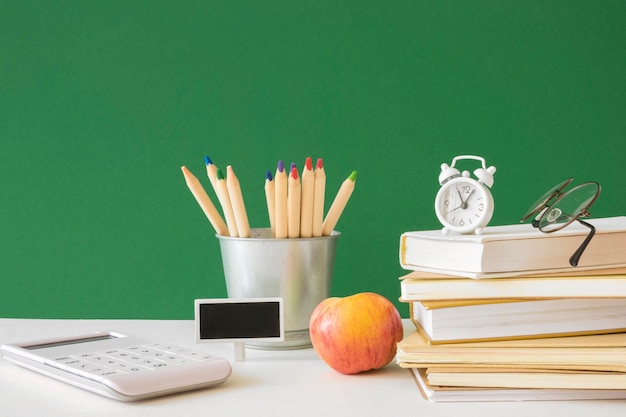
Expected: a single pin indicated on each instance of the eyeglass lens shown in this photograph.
(569, 207)
(545, 200)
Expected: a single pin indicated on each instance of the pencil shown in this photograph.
(338, 205)
(221, 189)
(280, 190)
(236, 201)
(306, 202)
(211, 172)
(270, 197)
(318, 198)
(293, 204)
(205, 202)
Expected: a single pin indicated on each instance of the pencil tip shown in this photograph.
(207, 160)
(308, 163)
(352, 176)
(294, 173)
(219, 174)
(320, 164)
(268, 175)
(281, 166)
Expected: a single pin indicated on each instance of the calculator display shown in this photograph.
(70, 342)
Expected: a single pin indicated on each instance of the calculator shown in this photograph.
(120, 366)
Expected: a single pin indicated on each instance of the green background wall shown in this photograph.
(101, 102)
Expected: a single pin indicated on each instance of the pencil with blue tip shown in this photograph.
(280, 189)
(221, 189)
(237, 202)
(293, 203)
(205, 202)
(318, 198)
(211, 172)
(306, 202)
(339, 204)
(270, 199)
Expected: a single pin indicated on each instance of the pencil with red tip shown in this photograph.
(280, 190)
(293, 204)
(306, 202)
(205, 202)
(339, 204)
(319, 190)
(270, 199)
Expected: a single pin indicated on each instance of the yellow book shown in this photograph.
(594, 352)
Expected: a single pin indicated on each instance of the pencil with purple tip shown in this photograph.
(270, 199)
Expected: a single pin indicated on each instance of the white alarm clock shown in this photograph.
(464, 204)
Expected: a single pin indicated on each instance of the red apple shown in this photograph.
(356, 333)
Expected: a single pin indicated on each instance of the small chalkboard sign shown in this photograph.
(239, 320)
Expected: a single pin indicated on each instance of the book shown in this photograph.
(472, 320)
(511, 250)
(593, 353)
(575, 286)
(525, 378)
(466, 394)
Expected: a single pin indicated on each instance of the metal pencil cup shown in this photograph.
(299, 270)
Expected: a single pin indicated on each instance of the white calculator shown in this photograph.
(120, 366)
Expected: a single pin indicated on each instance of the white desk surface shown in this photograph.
(278, 383)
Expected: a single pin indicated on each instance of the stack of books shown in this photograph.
(502, 316)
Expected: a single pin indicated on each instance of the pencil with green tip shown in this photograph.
(221, 189)
(205, 202)
(237, 203)
(339, 204)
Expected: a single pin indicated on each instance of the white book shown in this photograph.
(447, 321)
(452, 394)
(518, 249)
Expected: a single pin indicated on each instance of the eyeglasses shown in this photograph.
(556, 210)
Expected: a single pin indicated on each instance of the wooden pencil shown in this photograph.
(270, 199)
(293, 204)
(205, 202)
(221, 190)
(211, 172)
(339, 204)
(306, 202)
(237, 202)
(318, 198)
(280, 189)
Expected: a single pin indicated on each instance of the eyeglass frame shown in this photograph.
(546, 205)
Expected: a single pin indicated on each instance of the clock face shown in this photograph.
(464, 205)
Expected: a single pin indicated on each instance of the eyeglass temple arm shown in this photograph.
(573, 261)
